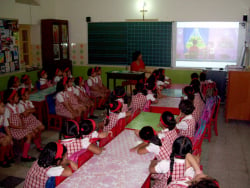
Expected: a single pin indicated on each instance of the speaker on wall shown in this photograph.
(244, 18)
(88, 19)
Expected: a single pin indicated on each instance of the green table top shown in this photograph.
(173, 92)
(40, 95)
(145, 119)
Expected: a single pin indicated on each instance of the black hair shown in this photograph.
(204, 183)
(203, 76)
(111, 106)
(181, 147)
(85, 127)
(139, 88)
(161, 72)
(77, 81)
(11, 81)
(186, 107)
(119, 91)
(89, 73)
(47, 156)
(194, 76)
(22, 78)
(161, 78)
(70, 129)
(97, 68)
(20, 90)
(196, 85)
(152, 87)
(189, 91)
(40, 73)
(135, 55)
(6, 95)
(168, 119)
(147, 133)
(59, 86)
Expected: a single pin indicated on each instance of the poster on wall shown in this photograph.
(64, 33)
(9, 54)
(55, 33)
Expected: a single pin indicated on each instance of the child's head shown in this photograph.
(52, 155)
(161, 72)
(58, 72)
(119, 92)
(65, 72)
(98, 70)
(79, 81)
(62, 85)
(204, 183)
(91, 72)
(114, 107)
(152, 86)
(23, 94)
(194, 76)
(11, 96)
(13, 82)
(186, 107)
(148, 134)
(43, 74)
(87, 126)
(203, 76)
(189, 92)
(70, 129)
(181, 147)
(167, 120)
(70, 81)
(140, 88)
(25, 79)
(136, 56)
(2, 107)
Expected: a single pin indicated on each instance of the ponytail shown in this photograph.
(171, 168)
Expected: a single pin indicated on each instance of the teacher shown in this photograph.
(137, 65)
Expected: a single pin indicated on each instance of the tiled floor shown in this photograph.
(226, 157)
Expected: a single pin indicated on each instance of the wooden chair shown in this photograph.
(51, 113)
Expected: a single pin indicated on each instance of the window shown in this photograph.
(25, 44)
(206, 44)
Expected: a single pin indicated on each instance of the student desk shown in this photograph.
(114, 167)
(145, 119)
(166, 104)
(38, 99)
(125, 75)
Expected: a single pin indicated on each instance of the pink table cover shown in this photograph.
(115, 167)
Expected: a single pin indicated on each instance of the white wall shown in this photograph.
(165, 10)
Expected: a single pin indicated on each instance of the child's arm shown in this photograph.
(141, 145)
(193, 161)
(105, 134)
(95, 149)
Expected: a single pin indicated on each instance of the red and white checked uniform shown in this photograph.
(31, 122)
(167, 139)
(82, 94)
(178, 172)
(99, 80)
(73, 99)
(61, 110)
(12, 114)
(187, 126)
(74, 145)
(92, 83)
(113, 119)
(36, 176)
(138, 101)
(199, 106)
(183, 182)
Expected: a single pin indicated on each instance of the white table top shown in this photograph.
(115, 167)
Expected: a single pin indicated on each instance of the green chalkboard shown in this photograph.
(112, 43)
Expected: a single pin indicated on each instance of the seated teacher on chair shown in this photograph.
(137, 64)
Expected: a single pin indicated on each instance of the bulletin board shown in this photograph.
(9, 52)
(112, 43)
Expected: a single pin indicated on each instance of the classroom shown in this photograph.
(115, 93)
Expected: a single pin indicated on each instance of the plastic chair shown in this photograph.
(51, 113)
(120, 126)
(215, 115)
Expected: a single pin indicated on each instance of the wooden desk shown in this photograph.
(125, 75)
(115, 167)
(238, 96)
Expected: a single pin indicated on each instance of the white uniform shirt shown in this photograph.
(164, 165)
(43, 81)
(61, 96)
(3, 121)
(183, 124)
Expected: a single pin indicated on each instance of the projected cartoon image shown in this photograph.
(213, 44)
